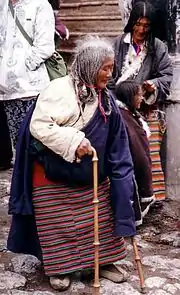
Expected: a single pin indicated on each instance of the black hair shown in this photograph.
(140, 10)
(126, 91)
(54, 4)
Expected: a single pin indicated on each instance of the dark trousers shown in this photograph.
(5, 141)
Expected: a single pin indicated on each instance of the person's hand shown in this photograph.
(149, 86)
(84, 148)
(67, 34)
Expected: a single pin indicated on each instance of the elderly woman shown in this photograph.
(74, 113)
(142, 57)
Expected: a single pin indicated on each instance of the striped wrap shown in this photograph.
(64, 219)
(155, 144)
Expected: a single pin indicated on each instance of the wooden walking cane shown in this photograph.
(96, 285)
(139, 265)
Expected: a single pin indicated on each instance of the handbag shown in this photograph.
(55, 64)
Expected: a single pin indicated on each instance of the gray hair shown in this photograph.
(90, 54)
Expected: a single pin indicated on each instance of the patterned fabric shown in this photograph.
(155, 144)
(64, 219)
(22, 69)
(5, 147)
(16, 111)
(132, 62)
(3, 21)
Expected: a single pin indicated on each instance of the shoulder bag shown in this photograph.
(55, 64)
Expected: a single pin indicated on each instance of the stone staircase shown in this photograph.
(95, 17)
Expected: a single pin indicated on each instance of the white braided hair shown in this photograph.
(90, 54)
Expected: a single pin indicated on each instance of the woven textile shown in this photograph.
(155, 144)
(64, 219)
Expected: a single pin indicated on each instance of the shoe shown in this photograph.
(60, 283)
(114, 273)
(145, 206)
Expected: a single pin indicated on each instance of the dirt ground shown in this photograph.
(158, 221)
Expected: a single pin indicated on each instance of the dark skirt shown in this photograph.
(64, 220)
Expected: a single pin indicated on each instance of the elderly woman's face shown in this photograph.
(105, 73)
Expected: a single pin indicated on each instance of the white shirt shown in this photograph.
(22, 70)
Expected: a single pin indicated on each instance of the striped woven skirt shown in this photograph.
(64, 220)
(155, 141)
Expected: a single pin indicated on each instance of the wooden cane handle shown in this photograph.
(94, 154)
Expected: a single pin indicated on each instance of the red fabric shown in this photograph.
(60, 27)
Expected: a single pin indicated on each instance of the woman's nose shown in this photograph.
(109, 73)
(141, 29)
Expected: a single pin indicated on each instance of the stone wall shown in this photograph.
(90, 16)
(173, 135)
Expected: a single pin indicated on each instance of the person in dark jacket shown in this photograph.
(73, 114)
(129, 98)
(142, 57)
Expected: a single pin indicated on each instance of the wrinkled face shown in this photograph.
(138, 98)
(105, 73)
(141, 30)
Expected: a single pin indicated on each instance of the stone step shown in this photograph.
(74, 3)
(82, 17)
(68, 45)
(92, 25)
(94, 8)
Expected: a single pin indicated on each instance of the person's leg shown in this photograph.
(16, 110)
(5, 147)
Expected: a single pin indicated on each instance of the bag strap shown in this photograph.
(23, 32)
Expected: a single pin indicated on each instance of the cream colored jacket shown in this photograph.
(58, 118)
(23, 73)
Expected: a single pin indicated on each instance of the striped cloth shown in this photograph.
(64, 219)
(155, 144)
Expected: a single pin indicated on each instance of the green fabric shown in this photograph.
(56, 66)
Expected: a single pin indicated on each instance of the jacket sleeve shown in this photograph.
(49, 123)
(120, 171)
(163, 71)
(3, 22)
(43, 43)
